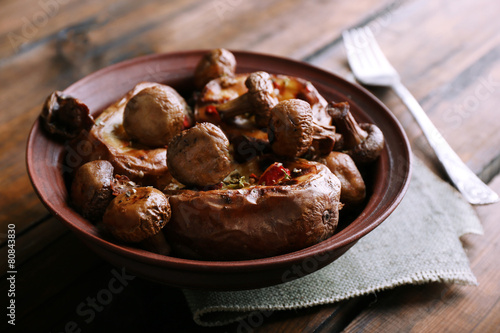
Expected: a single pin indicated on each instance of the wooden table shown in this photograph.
(447, 52)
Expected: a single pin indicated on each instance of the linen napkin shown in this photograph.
(418, 243)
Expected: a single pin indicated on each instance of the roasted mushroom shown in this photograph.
(363, 142)
(216, 63)
(64, 116)
(293, 129)
(258, 100)
(256, 221)
(352, 184)
(138, 216)
(199, 156)
(108, 140)
(91, 190)
(154, 116)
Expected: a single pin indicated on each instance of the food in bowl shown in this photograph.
(259, 166)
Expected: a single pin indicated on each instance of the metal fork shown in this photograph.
(371, 67)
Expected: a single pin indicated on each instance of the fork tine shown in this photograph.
(360, 56)
(378, 55)
(366, 59)
(364, 46)
(353, 54)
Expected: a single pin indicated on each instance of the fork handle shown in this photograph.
(466, 181)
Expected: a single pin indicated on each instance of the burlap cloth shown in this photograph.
(418, 243)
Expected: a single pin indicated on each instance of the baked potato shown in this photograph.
(256, 221)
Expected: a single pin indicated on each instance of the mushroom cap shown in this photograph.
(199, 155)
(91, 190)
(291, 128)
(137, 215)
(370, 148)
(154, 116)
(214, 64)
(261, 89)
(65, 116)
(353, 188)
(259, 82)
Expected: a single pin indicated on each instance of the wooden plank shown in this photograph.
(48, 272)
(148, 305)
(454, 74)
(27, 23)
(136, 306)
(281, 28)
(446, 308)
(326, 318)
(19, 204)
(33, 240)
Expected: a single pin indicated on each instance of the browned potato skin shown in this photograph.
(353, 186)
(136, 216)
(199, 155)
(91, 189)
(107, 140)
(153, 116)
(255, 222)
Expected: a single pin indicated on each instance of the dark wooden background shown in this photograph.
(447, 52)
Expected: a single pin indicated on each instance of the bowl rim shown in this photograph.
(327, 246)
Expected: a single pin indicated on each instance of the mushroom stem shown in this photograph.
(157, 244)
(235, 107)
(325, 138)
(345, 123)
(363, 142)
(258, 100)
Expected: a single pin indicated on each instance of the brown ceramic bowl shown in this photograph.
(389, 179)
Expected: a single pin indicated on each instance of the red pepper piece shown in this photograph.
(186, 123)
(212, 110)
(274, 174)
